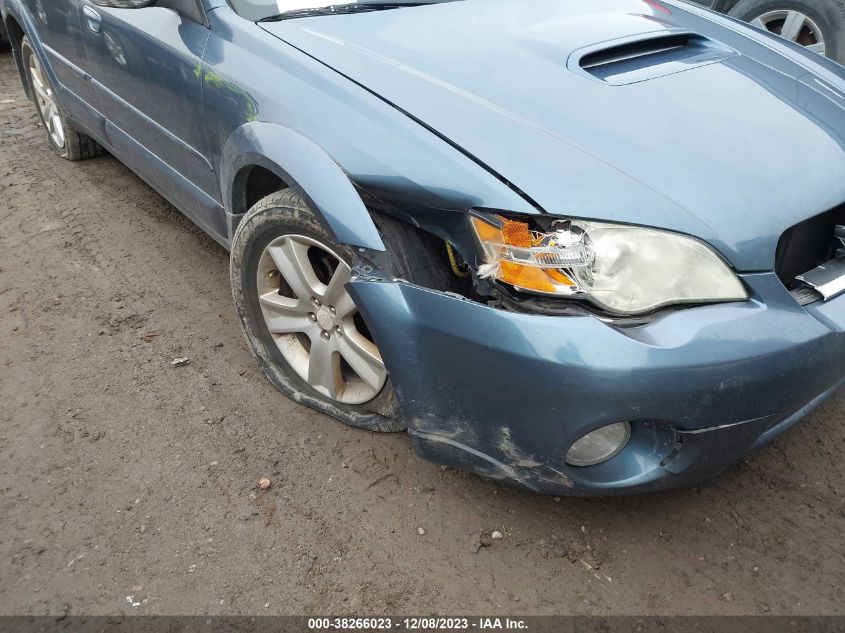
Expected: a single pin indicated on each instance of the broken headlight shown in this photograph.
(620, 268)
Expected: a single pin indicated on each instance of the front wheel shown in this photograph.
(288, 281)
(818, 25)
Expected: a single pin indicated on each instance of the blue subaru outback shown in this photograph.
(582, 247)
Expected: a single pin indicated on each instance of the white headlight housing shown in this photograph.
(624, 269)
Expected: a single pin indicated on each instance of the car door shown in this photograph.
(58, 31)
(146, 65)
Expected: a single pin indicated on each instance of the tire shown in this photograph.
(828, 16)
(283, 221)
(64, 139)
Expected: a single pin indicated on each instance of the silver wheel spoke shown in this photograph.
(60, 132)
(345, 305)
(362, 357)
(324, 368)
(291, 258)
(47, 104)
(335, 292)
(284, 315)
(55, 123)
(793, 25)
(55, 126)
(340, 362)
(38, 85)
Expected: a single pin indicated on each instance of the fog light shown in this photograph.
(600, 445)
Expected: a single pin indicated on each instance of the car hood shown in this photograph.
(719, 137)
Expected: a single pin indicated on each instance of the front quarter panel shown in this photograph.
(303, 120)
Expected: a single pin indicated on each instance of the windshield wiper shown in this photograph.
(336, 9)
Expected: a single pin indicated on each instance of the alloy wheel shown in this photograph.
(314, 321)
(795, 26)
(46, 102)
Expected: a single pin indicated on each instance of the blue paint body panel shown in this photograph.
(699, 152)
(487, 104)
(509, 393)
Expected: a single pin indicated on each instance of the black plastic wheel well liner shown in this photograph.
(252, 184)
(14, 32)
(418, 256)
(15, 35)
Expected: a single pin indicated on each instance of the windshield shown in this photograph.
(256, 10)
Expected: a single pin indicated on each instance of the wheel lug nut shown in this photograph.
(338, 330)
(325, 335)
(332, 310)
(312, 316)
(315, 301)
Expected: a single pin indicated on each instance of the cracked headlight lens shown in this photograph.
(623, 269)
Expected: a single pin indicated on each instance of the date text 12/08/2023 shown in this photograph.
(416, 624)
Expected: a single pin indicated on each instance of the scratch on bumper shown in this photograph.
(505, 394)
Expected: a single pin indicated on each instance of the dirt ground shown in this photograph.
(128, 486)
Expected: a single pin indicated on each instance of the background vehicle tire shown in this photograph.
(280, 254)
(64, 139)
(817, 24)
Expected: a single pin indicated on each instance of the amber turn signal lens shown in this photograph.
(485, 231)
(510, 249)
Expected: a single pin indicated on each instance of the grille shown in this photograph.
(807, 245)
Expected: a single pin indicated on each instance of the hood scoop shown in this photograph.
(647, 56)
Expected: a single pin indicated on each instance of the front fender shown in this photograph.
(305, 166)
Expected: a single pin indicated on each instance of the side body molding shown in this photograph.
(304, 165)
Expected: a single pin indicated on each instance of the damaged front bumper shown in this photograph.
(505, 394)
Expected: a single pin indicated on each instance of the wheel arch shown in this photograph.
(258, 156)
(15, 33)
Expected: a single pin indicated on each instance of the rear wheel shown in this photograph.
(63, 137)
(818, 25)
